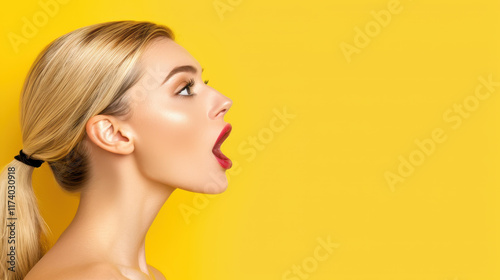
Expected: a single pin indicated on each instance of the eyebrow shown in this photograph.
(183, 68)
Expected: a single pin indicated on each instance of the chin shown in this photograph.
(215, 191)
(213, 181)
(211, 188)
(203, 190)
(213, 185)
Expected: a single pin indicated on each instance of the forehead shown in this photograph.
(163, 54)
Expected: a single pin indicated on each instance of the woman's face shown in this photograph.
(175, 126)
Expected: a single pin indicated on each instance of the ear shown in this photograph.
(107, 133)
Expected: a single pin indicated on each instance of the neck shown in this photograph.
(114, 216)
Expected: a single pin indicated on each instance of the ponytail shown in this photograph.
(23, 231)
(81, 74)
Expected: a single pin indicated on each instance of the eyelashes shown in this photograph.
(188, 89)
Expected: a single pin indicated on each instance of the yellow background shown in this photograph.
(322, 174)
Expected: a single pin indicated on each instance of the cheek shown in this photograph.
(172, 145)
(174, 132)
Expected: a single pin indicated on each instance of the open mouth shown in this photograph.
(224, 161)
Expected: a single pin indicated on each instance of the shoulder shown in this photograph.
(95, 271)
(49, 269)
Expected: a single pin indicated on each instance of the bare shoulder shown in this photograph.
(97, 271)
(104, 271)
(54, 267)
(157, 274)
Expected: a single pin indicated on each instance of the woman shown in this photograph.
(122, 116)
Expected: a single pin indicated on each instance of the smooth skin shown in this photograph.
(136, 162)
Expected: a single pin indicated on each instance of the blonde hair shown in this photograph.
(78, 75)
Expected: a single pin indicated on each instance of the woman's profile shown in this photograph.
(122, 116)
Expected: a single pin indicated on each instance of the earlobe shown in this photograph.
(106, 132)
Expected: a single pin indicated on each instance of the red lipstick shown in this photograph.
(224, 161)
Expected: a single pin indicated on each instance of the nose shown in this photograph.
(222, 106)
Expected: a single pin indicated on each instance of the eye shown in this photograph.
(187, 89)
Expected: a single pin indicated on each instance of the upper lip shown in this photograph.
(222, 136)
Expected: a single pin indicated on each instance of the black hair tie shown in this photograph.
(22, 157)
